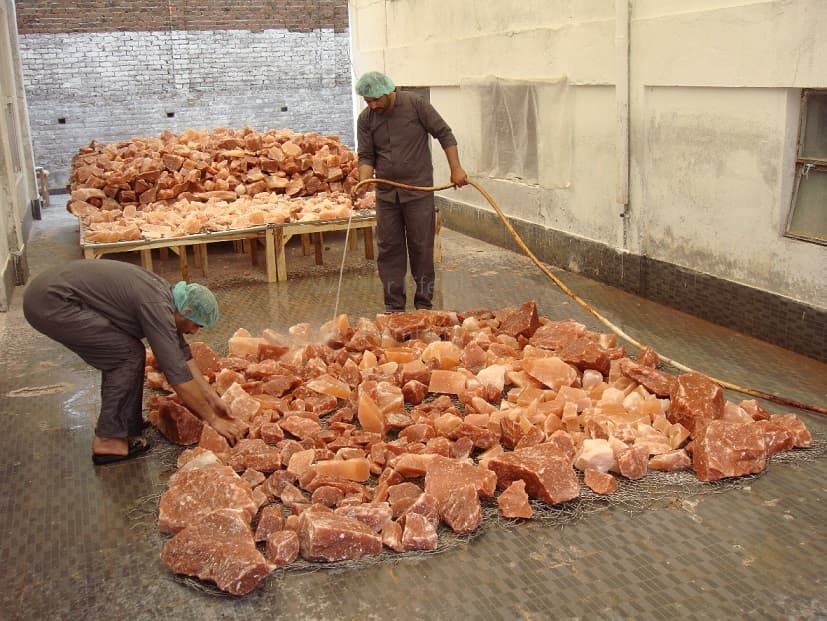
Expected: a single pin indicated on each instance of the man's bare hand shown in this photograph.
(233, 430)
(459, 177)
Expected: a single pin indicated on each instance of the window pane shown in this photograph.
(809, 217)
(814, 141)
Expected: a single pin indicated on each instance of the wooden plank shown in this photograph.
(146, 259)
(182, 261)
(281, 258)
(319, 246)
(306, 244)
(270, 253)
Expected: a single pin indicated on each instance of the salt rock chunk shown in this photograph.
(256, 454)
(443, 475)
(213, 441)
(357, 469)
(327, 496)
(595, 454)
(270, 521)
(197, 493)
(584, 353)
(551, 371)
(404, 326)
(416, 370)
(444, 354)
(219, 548)
(402, 495)
(226, 378)
(724, 449)
(418, 534)
(693, 397)
(802, 438)
(752, 407)
(176, 423)
(446, 382)
(461, 510)
(369, 414)
(673, 461)
(206, 359)
(282, 547)
(518, 320)
(634, 462)
(599, 482)
(412, 465)
(426, 506)
(392, 536)
(253, 477)
(241, 405)
(546, 470)
(300, 427)
(513, 501)
(656, 382)
(334, 537)
(328, 385)
(245, 346)
(374, 515)
(414, 392)
(300, 462)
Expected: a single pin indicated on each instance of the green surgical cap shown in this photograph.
(374, 84)
(196, 303)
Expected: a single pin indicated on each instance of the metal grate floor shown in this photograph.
(82, 543)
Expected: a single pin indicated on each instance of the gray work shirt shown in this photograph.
(397, 144)
(135, 301)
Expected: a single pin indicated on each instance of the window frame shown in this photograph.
(803, 165)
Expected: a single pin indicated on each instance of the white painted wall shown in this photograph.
(714, 93)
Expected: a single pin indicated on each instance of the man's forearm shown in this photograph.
(365, 172)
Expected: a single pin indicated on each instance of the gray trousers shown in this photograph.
(120, 357)
(405, 231)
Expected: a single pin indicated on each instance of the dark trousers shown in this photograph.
(121, 358)
(405, 231)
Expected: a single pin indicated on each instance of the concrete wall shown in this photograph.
(121, 69)
(713, 101)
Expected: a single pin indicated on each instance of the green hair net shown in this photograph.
(374, 84)
(196, 303)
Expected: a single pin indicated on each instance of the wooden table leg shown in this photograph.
(203, 252)
(319, 242)
(368, 242)
(306, 244)
(270, 253)
(281, 259)
(352, 236)
(182, 261)
(146, 259)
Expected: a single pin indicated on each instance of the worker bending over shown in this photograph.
(101, 310)
(393, 144)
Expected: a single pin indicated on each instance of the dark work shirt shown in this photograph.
(135, 301)
(397, 144)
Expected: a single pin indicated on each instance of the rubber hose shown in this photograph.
(748, 391)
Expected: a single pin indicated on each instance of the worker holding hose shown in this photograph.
(101, 309)
(393, 143)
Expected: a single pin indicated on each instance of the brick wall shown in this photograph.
(121, 68)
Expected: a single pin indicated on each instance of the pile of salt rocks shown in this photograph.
(377, 434)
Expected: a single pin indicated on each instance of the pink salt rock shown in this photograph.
(218, 548)
(270, 520)
(444, 475)
(724, 449)
(213, 441)
(331, 537)
(196, 493)
(392, 536)
(461, 511)
(282, 547)
(271, 433)
(374, 515)
(426, 506)
(253, 477)
(402, 495)
(403, 326)
(634, 462)
(513, 501)
(656, 382)
(414, 392)
(546, 470)
(206, 359)
(695, 397)
(300, 427)
(551, 371)
(357, 469)
(802, 438)
(595, 454)
(256, 454)
(176, 423)
(418, 534)
(300, 462)
(327, 495)
(226, 378)
(776, 438)
(518, 320)
(599, 482)
(584, 353)
(673, 461)
(446, 382)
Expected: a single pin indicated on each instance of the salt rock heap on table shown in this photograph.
(377, 434)
(175, 185)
